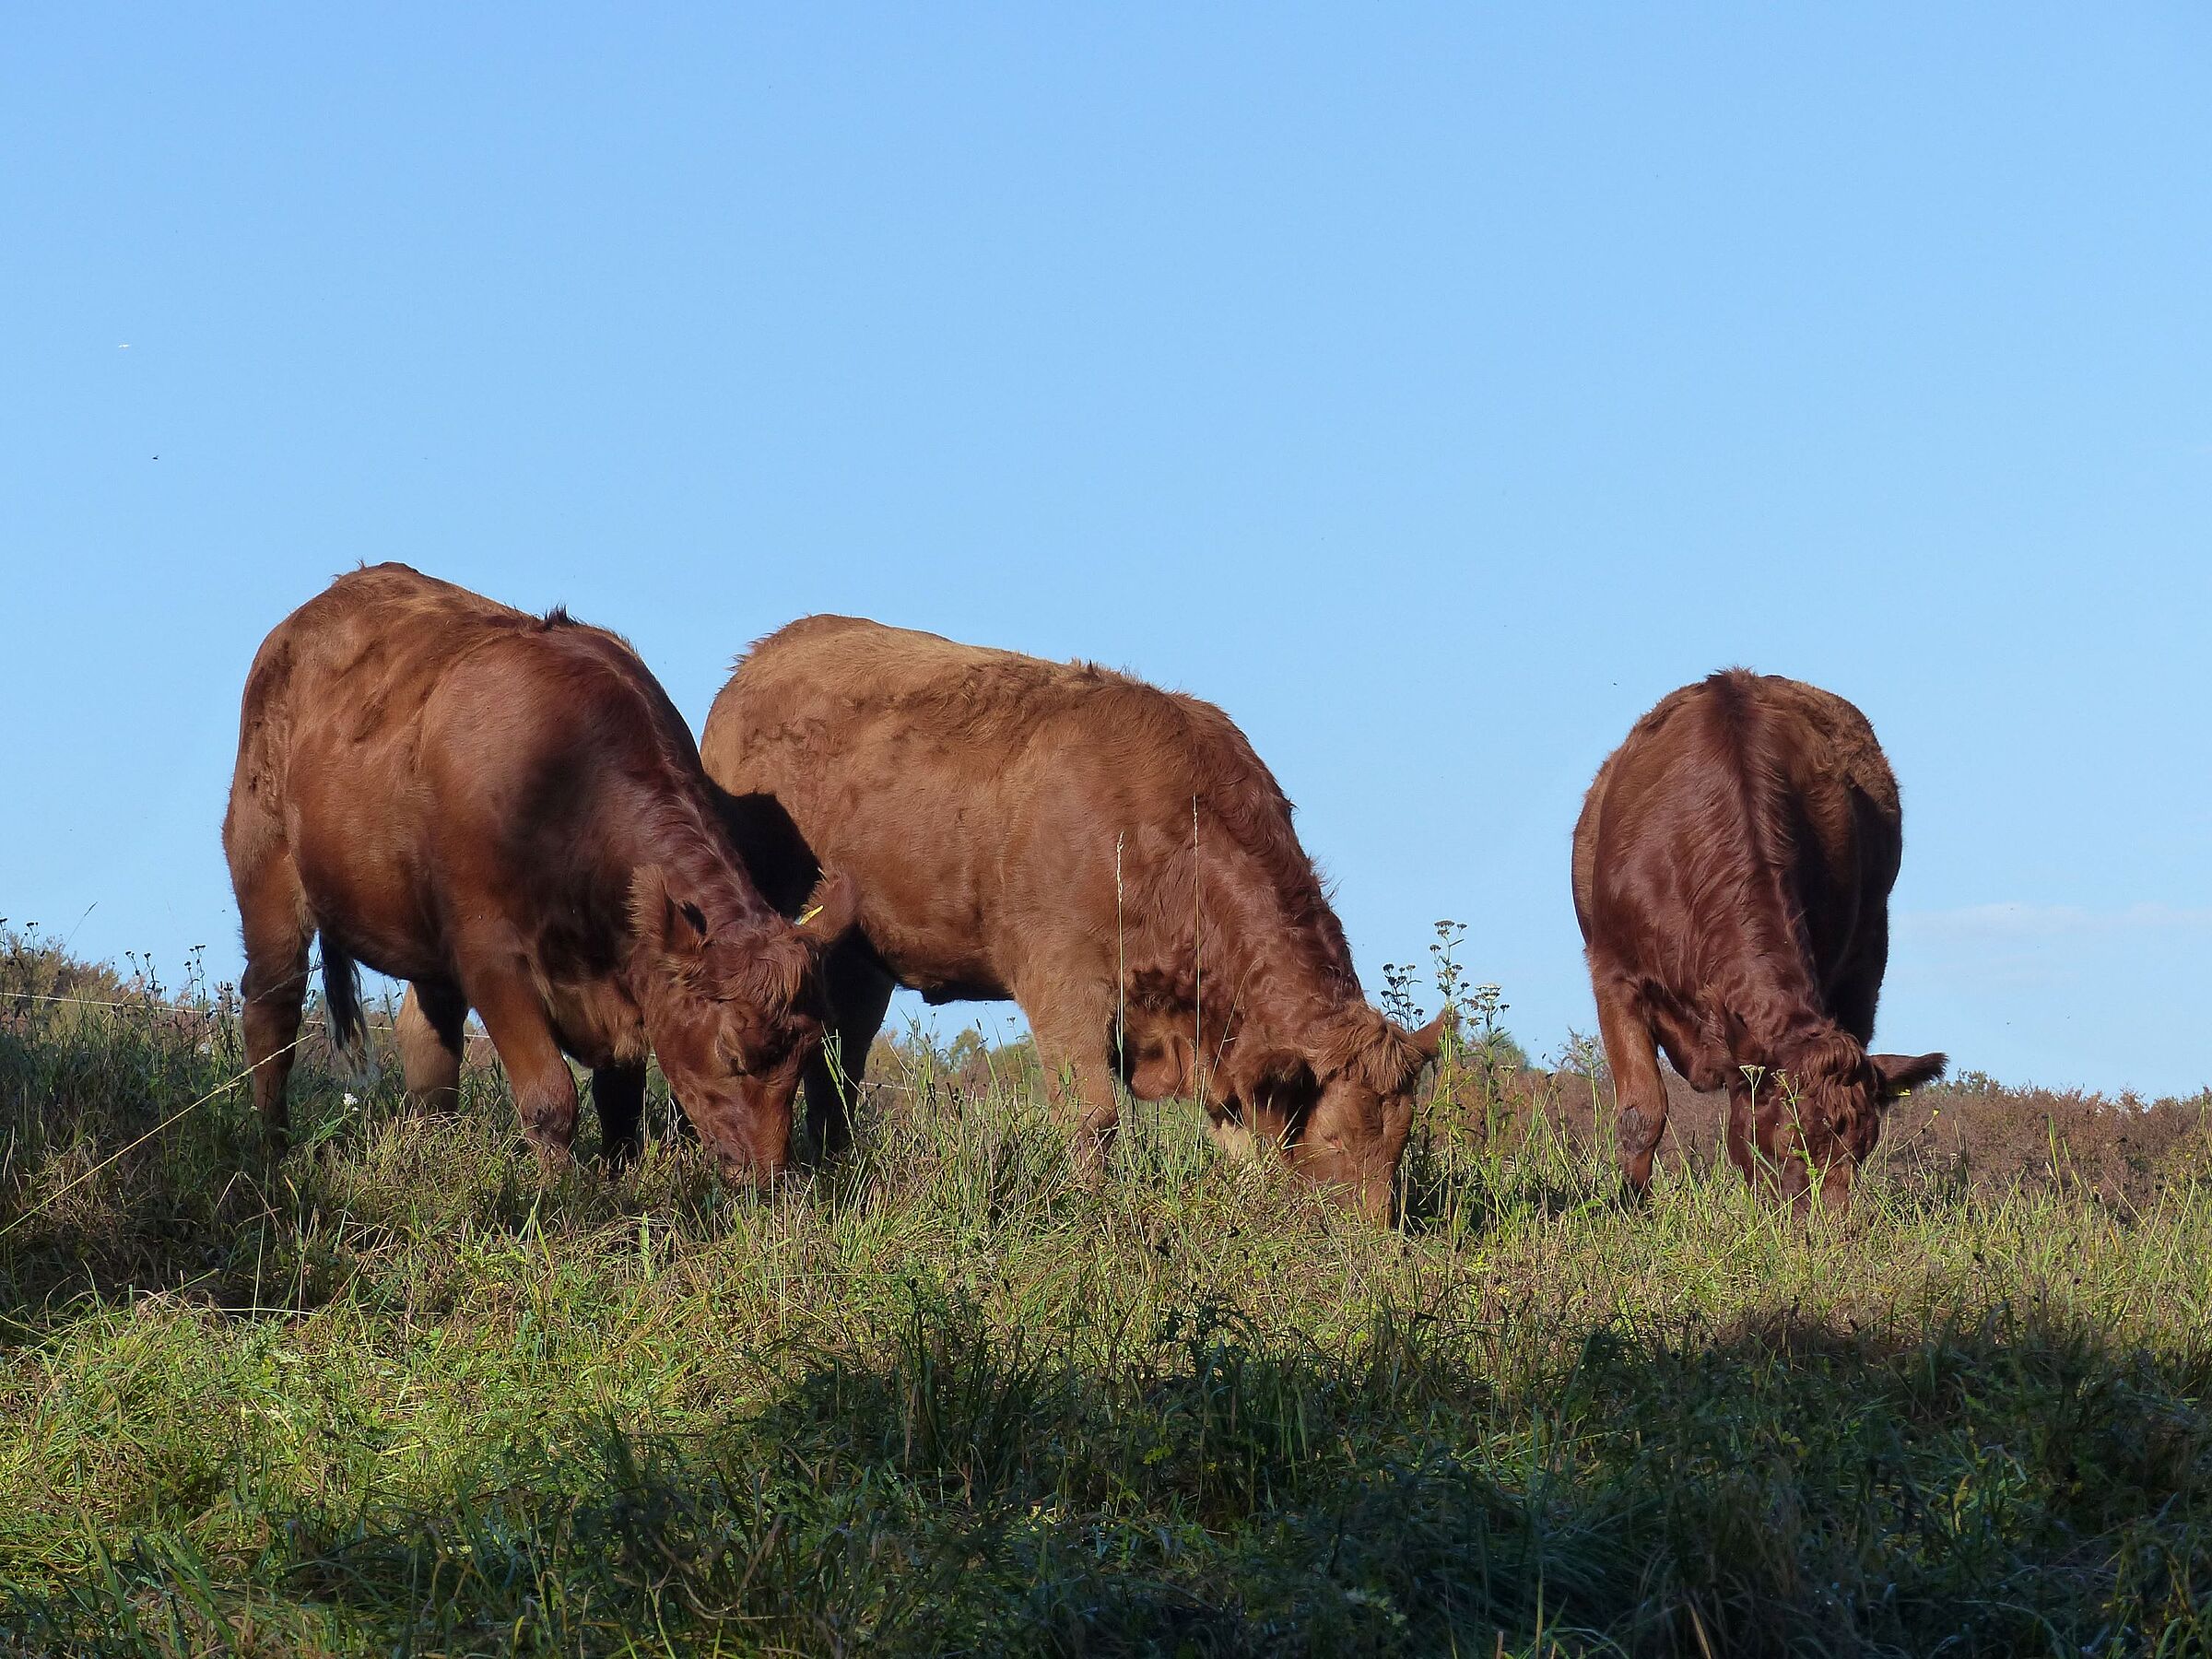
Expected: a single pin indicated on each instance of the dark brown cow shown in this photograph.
(1732, 875)
(1110, 855)
(506, 811)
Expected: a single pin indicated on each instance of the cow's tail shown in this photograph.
(342, 1004)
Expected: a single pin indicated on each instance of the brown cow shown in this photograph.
(506, 811)
(1112, 856)
(1732, 875)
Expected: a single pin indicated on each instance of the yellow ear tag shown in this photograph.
(808, 916)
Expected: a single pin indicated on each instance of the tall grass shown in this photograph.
(392, 1395)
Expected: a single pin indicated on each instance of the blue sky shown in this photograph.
(1433, 388)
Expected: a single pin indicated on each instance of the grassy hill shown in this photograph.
(391, 1395)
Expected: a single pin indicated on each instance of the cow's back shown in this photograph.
(362, 656)
(832, 712)
(385, 653)
(974, 793)
(402, 735)
(986, 800)
(1832, 760)
(832, 678)
(1736, 806)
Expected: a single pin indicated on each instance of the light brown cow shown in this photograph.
(506, 811)
(1112, 856)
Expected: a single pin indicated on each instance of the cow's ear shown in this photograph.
(830, 912)
(1429, 1041)
(1902, 1073)
(679, 928)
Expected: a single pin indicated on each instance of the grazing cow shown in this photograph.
(1732, 875)
(506, 811)
(1112, 856)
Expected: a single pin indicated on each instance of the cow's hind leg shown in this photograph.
(619, 1091)
(432, 1019)
(859, 991)
(1639, 1090)
(272, 910)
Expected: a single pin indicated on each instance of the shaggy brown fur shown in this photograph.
(1110, 855)
(507, 812)
(1732, 875)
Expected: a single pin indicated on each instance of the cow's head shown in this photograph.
(1825, 1114)
(734, 1009)
(1342, 1105)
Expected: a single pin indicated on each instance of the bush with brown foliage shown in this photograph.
(1969, 1132)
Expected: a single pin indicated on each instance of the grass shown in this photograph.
(392, 1397)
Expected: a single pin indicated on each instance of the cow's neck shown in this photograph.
(1260, 978)
(1293, 1013)
(665, 826)
(1775, 1019)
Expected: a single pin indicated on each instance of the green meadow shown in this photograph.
(397, 1396)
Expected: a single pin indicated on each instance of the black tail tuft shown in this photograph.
(342, 1000)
